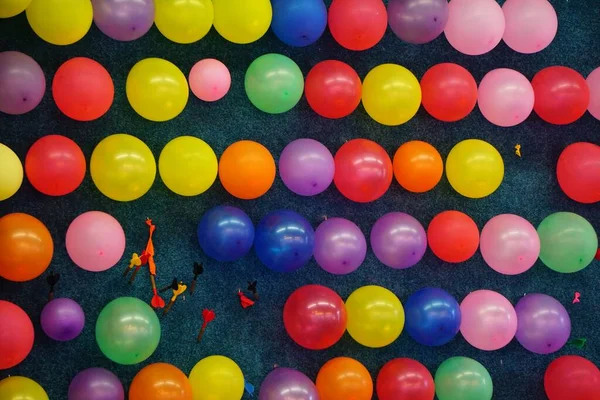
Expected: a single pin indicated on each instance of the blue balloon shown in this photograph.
(299, 22)
(284, 241)
(432, 316)
(225, 233)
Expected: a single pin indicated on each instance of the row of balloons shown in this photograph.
(457, 378)
(391, 94)
(361, 170)
(373, 316)
(284, 241)
(472, 28)
(123, 168)
(316, 318)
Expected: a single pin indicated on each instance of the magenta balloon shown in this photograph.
(124, 20)
(509, 244)
(531, 25)
(544, 324)
(340, 246)
(593, 81)
(95, 241)
(96, 384)
(306, 167)
(398, 240)
(505, 97)
(22, 83)
(489, 321)
(417, 21)
(287, 384)
(62, 319)
(474, 26)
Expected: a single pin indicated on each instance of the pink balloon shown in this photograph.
(489, 321)
(210, 79)
(505, 97)
(593, 81)
(95, 241)
(474, 26)
(531, 25)
(509, 244)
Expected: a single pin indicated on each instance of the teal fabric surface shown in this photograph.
(255, 338)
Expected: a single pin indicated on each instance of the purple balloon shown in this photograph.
(398, 240)
(543, 324)
(96, 384)
(287, 384)
(62, 319)
(22, 83)
(418, 21)
(306, 167)
(124, 20)
(340, 246)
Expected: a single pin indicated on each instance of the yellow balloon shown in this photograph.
(21, 388)
(391, 94)
(11, 172)
(60, 22)
(10, 8)
(184, 21)
(474, 168)
(375, 316)
(242, 21)
(188, 166)
(156, 89)
(217, 378)
(123, 167)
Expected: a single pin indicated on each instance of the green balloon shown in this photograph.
(274, 83)
(127, 330)
(568, 242)
(462, 378)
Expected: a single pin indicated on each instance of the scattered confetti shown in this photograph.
(579, 343)
(576, 299)
(249, 388)
(518, 150)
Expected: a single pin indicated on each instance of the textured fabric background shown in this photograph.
(255, 338)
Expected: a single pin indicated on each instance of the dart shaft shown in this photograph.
(135, 271)
(193, 286)
(168, 308)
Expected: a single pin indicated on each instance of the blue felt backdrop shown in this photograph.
(255, 338)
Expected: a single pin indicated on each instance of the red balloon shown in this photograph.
(333, 89)
(16, 334)
(453, 236)
(357, 24)
(55, 165)
(315, 317)
(578, 172)
(363, 170)
(83, 89)
(449, 92)
(561, 95)
(405, 379)
(572, 378)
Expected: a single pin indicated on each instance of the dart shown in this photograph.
(52, 280)
(252, 289)
(173, 285)
(207, 317)
(198, 270)
(176, 293)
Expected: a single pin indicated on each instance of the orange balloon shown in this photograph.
(26, 247)
(247, 169)
(160, 381)
(418, 166)
(344, 378)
